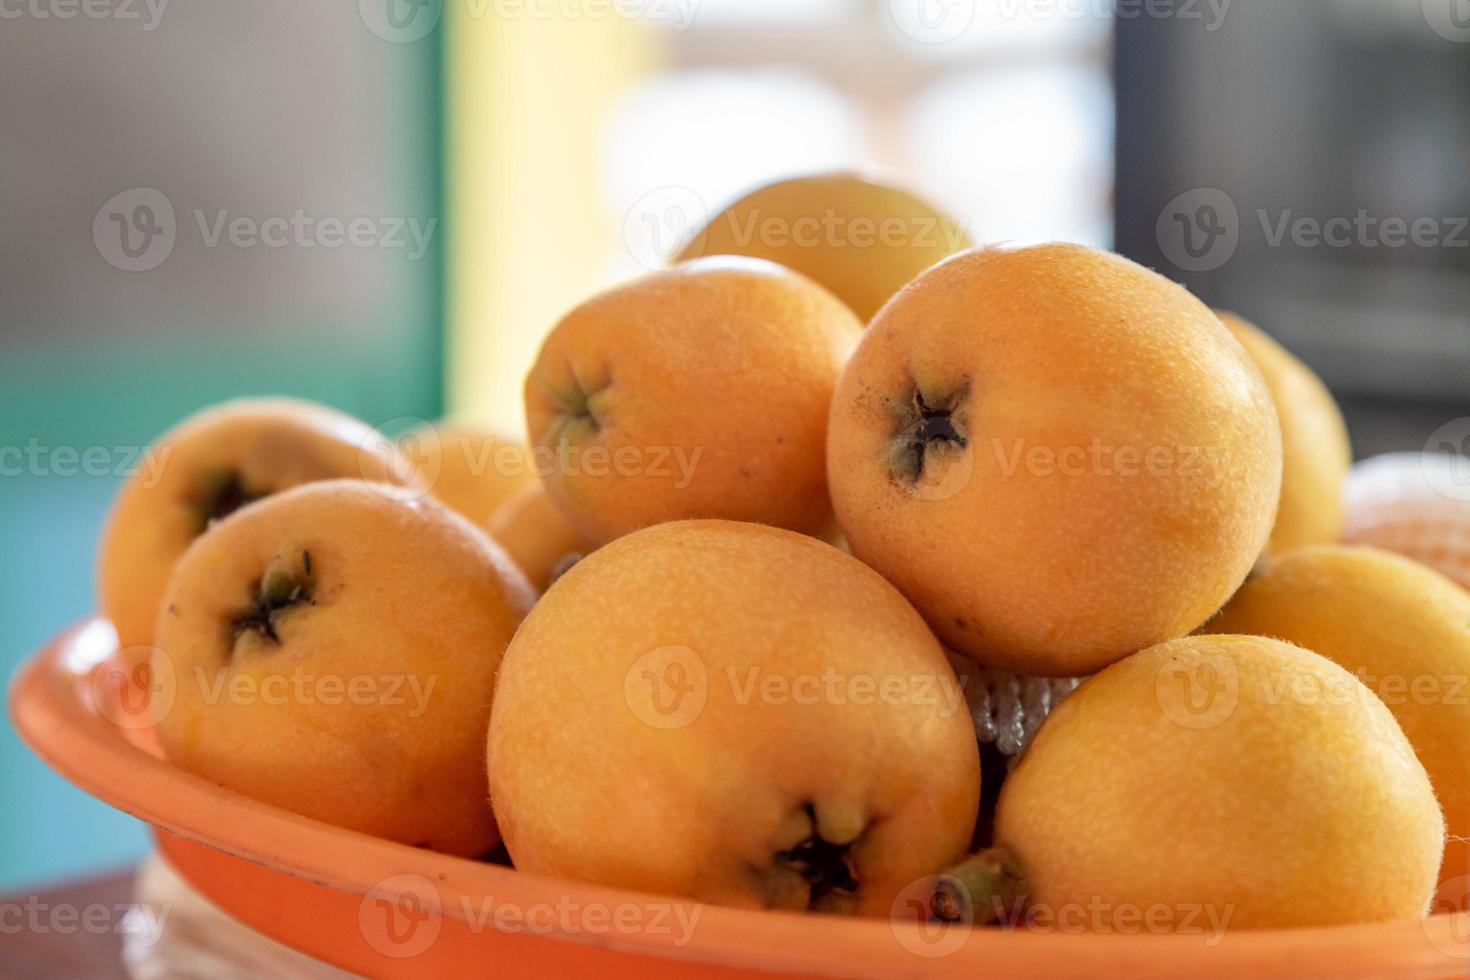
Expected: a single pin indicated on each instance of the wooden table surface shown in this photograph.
(64, 932)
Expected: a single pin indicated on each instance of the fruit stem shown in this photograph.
(980, 889)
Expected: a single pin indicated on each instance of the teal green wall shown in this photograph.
(119, 385)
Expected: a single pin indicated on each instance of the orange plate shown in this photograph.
(384, 910)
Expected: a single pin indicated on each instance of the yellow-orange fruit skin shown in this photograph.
(1401, 628)
(603, 770)
(471, 471)
(535, 534)
(272, 444)
(1118, 471)
(1314, 442)
(701, 391)
(1291, 800)
(369, 708)
(858, 236)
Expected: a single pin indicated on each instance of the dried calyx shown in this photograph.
(224, 492)
(578, 409)
(286, 584)
(928, 425)
(816, 873)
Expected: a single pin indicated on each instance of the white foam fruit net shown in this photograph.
(1416, 505)
(1009, 708)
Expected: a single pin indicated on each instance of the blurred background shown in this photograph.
(384, 205)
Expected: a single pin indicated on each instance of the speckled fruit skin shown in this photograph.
(535, 534)
(701, 391)
(272, 443)
(860, 237)
(1101, 459)
(469, 470)
(1314, 443)
(405, 600)
(1303, 806)
(586, 787)
(1401, 628)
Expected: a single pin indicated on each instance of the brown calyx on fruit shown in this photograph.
(578, 408)
(225, 492)
(816, 873)
(927, 425)
(287, 583)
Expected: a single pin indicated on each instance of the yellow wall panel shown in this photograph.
(529, 230)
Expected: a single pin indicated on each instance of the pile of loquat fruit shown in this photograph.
(801, 535)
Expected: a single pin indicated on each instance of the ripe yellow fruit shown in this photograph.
(734, 713)
(701, 391)
(1402, 629)
(1222, 782)
(861, 238)
(1314, 443)
(536, 534)
(332, 651)
(469, 470)
(205, 468)
(1059, 457)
